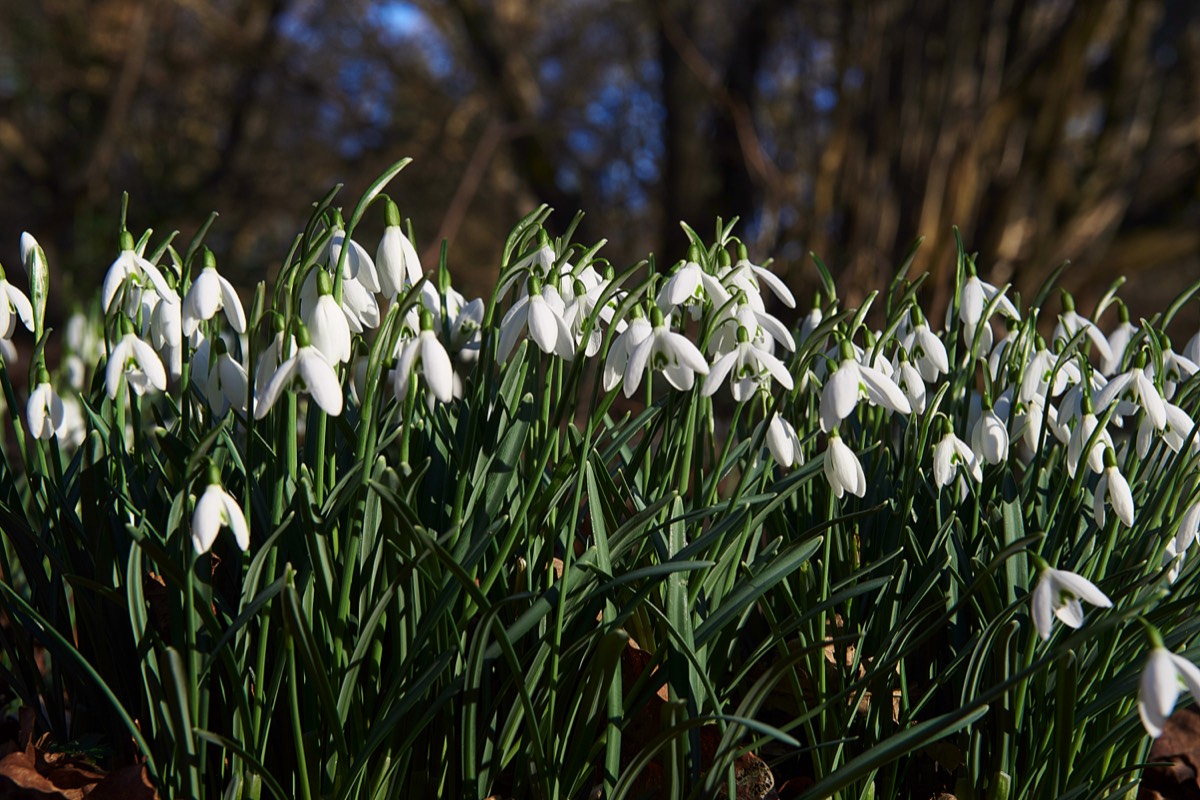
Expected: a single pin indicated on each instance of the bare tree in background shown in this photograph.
(1044, 129)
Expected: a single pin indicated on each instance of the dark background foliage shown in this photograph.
(1045, 129)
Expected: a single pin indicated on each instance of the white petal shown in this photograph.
(1070, 612)
(206, 519)
(275, 386)
(1082, 588)
(236, 521)
(636, 368)
(1158, 691)
(840, 395)
(1121, 496)
(436, 367)
(717, 374)
(320, 380)
(542, 326)
(1043, 602)
(511, 326)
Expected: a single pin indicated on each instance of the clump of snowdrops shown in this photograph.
(363, 537)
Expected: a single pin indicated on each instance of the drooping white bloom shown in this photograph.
(850, 383)
(136, 362)
(359, 265)
(1174, 434)
(1039, 372)
(166, 334)
(747, 277)
(396, 260)
(926, 351)
(1114, 489)
(949, 454)
(13, 305)
(912, 384)
(327, 323)
(1165, 674)
(690, 286)
(209, 293)
(665, 351)
(989, 438)
(429, 352)
(1189, 527)
(217, 509)
(1176, 369)
(764, 328)
(1058, 592)
(783, 442)
(1080, 435)
(974, 298)
(312, 369)
(45, 411)
(541, 311)
(1134, 386)
(130, 266)
(1118, 341)
(842, 468)
(1070, 322)
(751, 368)
(221, 377)
(618, 352)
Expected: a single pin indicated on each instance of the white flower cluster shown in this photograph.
(1105, 402)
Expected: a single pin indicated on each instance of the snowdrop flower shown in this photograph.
(764, 328)
(1059, 592)
(1176, 368)
(13, 305)
(911, 383)
(130, 266)
(1134, 386)
(358, 303)
(1189, 527)
(853, 381)
(136, 362)
(989, 437)
(1119, 339)
(1165, 674)
(221, 377)
(1070, 323)
(396, 260)
(783, 442)
(999, 355)
(315, 373)
(540, 311)
(1080, 435)
(166, 334)
(751, 366)
(842, 468)
(812, 320)
(1172, 560)
(925, 349)
(692, 287)
(950, 454)
(974, 298)
(582, 306)
(665, 351)
(359, 264)
(45, 411)
(272, 355)
(217, 509)
(626, 342)
(327, 323)
(1040, 371)
(747, 276)
(207, 295)
(1114, 489)
(428, 351)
